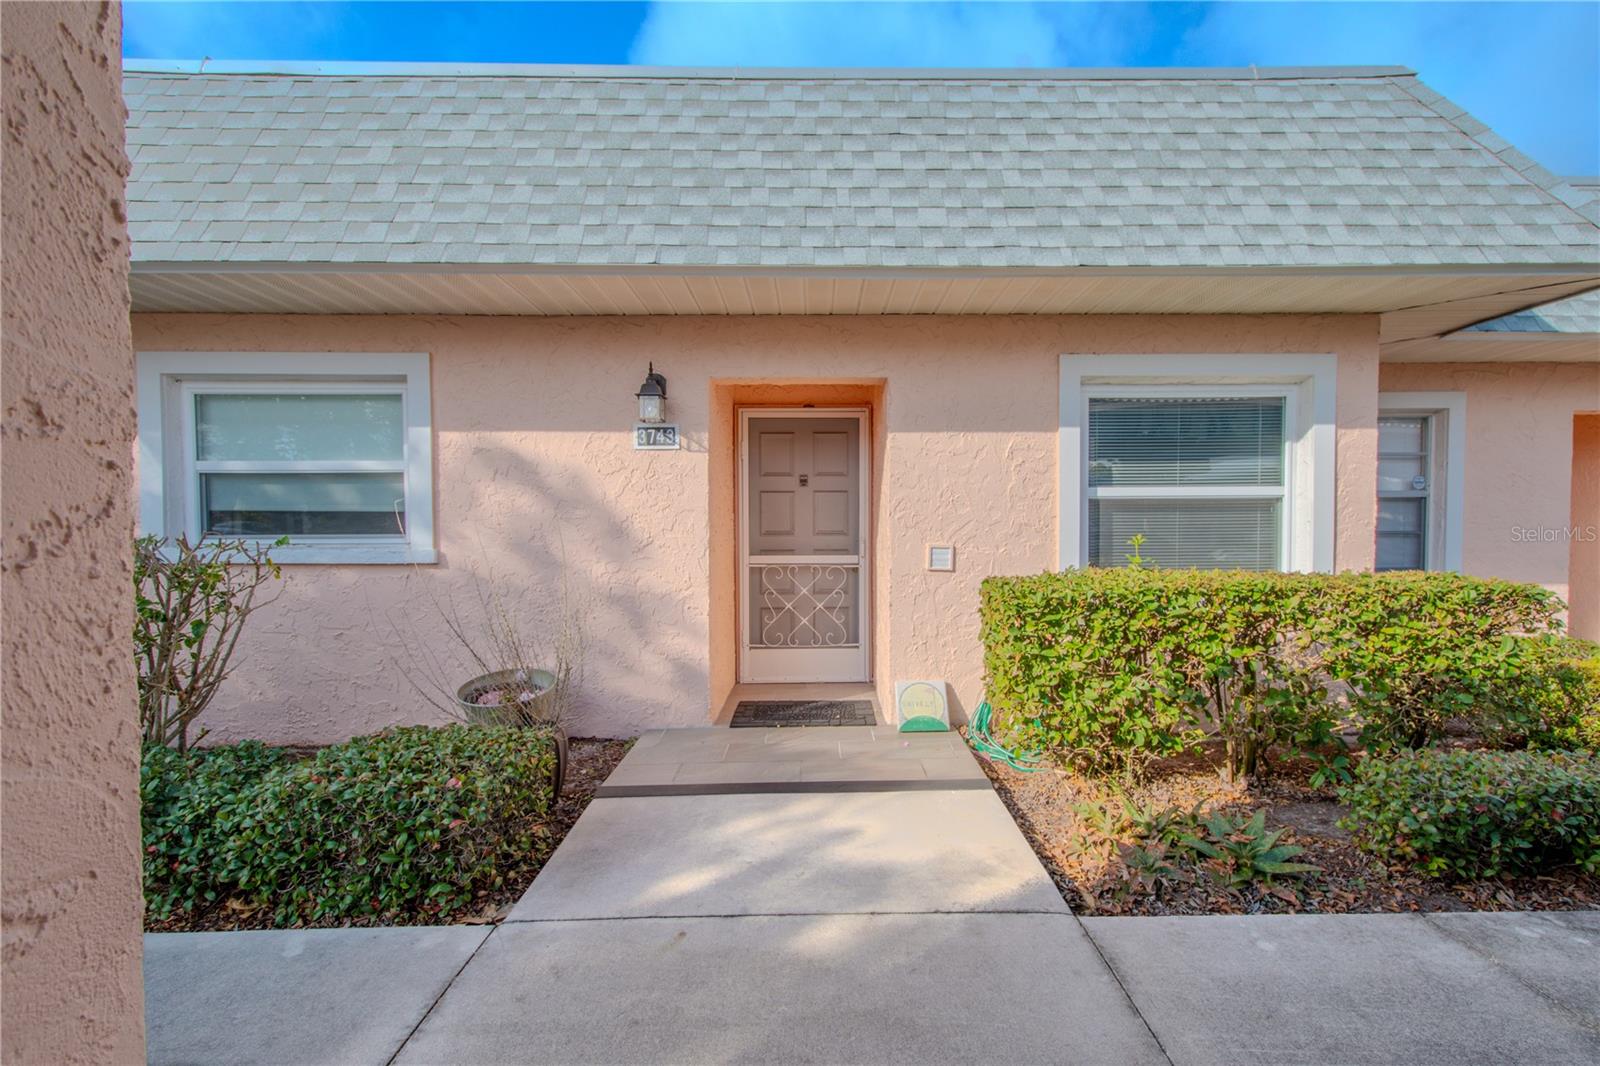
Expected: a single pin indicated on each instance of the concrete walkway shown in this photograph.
(913, 925)
(844, 759)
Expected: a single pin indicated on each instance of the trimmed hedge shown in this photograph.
(1108, 668)
(1566, 702)
(1473, 814)
(1418, 649)
(414, 822)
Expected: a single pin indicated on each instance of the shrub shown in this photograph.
(1478, 813)
(1070, 673)
(411, 822)
(1420, 649)
(1563, 704)
(1110, 668)
(191, 602)
(1107, 669)
(182, 798)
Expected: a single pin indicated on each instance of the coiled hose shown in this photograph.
(984, 743)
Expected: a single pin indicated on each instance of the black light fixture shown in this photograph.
(653, 397)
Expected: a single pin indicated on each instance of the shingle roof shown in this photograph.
(610, 168)
(1576, 314)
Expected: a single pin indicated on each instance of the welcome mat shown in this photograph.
(770, 713)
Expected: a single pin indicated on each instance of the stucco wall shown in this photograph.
(1519, 460)
(69, 855)
(1583, 557)
(536, 469)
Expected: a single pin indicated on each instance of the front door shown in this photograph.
(802, 531)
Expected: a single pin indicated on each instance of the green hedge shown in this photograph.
(412, 822)
(1565, 707)
(1479, 813)
(1108, 668)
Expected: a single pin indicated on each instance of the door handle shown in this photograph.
(805, 479)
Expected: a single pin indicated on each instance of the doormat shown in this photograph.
(770, 713)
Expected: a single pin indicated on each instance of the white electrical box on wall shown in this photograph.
(941, 557)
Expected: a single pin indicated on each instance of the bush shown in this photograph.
(182, 796)
(412, 823)
(191, 602)
(1420, 649)
(1073, 666)
(1564, 703)
(1107, 669)
(1473, 814)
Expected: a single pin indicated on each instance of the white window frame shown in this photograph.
(1307, 382)
(169, 469)
(1447, 412)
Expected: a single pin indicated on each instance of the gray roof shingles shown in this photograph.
(1575, 314)
(1052, 172)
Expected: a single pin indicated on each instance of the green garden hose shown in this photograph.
(984, 744)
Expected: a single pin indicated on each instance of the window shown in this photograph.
(1214, 460)
(1201, 478)
(333, 452)
(1421, 444)
(1405, 469)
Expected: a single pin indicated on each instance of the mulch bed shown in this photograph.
(1352, 881)
(590, 762)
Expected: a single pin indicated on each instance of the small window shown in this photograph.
(1203, 479)
(336, 457)
(1422, 447)
(1405, 482)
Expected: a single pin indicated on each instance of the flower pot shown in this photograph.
(536, 710)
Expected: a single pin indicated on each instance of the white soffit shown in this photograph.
(1497, 348)
(1414, 304)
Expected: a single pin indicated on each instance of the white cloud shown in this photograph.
(881, 34)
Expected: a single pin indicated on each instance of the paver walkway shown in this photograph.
(712, 908)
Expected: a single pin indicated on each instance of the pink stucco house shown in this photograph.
(912, 329)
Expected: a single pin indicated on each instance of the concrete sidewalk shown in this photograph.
(910, 926)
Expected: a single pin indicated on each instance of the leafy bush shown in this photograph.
(412, 822)
(191, 602)
(1420, 649)
(1478, 813)
(1109, 668)
(183, 797)
(1563, 704)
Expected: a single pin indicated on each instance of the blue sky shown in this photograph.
(1530, 70)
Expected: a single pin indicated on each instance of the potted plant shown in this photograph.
(522, 696)
(495, 642)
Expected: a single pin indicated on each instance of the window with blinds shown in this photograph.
(1404, 491)
(321, 464)
(1202, 479)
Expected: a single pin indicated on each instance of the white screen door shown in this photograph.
(802, 537)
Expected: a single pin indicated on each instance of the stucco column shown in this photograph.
(69, 840)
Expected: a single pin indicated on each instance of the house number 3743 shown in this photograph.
(655, 437)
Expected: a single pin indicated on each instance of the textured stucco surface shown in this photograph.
(1519, 466)
(536, 469)
(70, 850)
(1583, 555)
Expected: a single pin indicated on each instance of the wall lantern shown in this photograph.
(653, 397)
